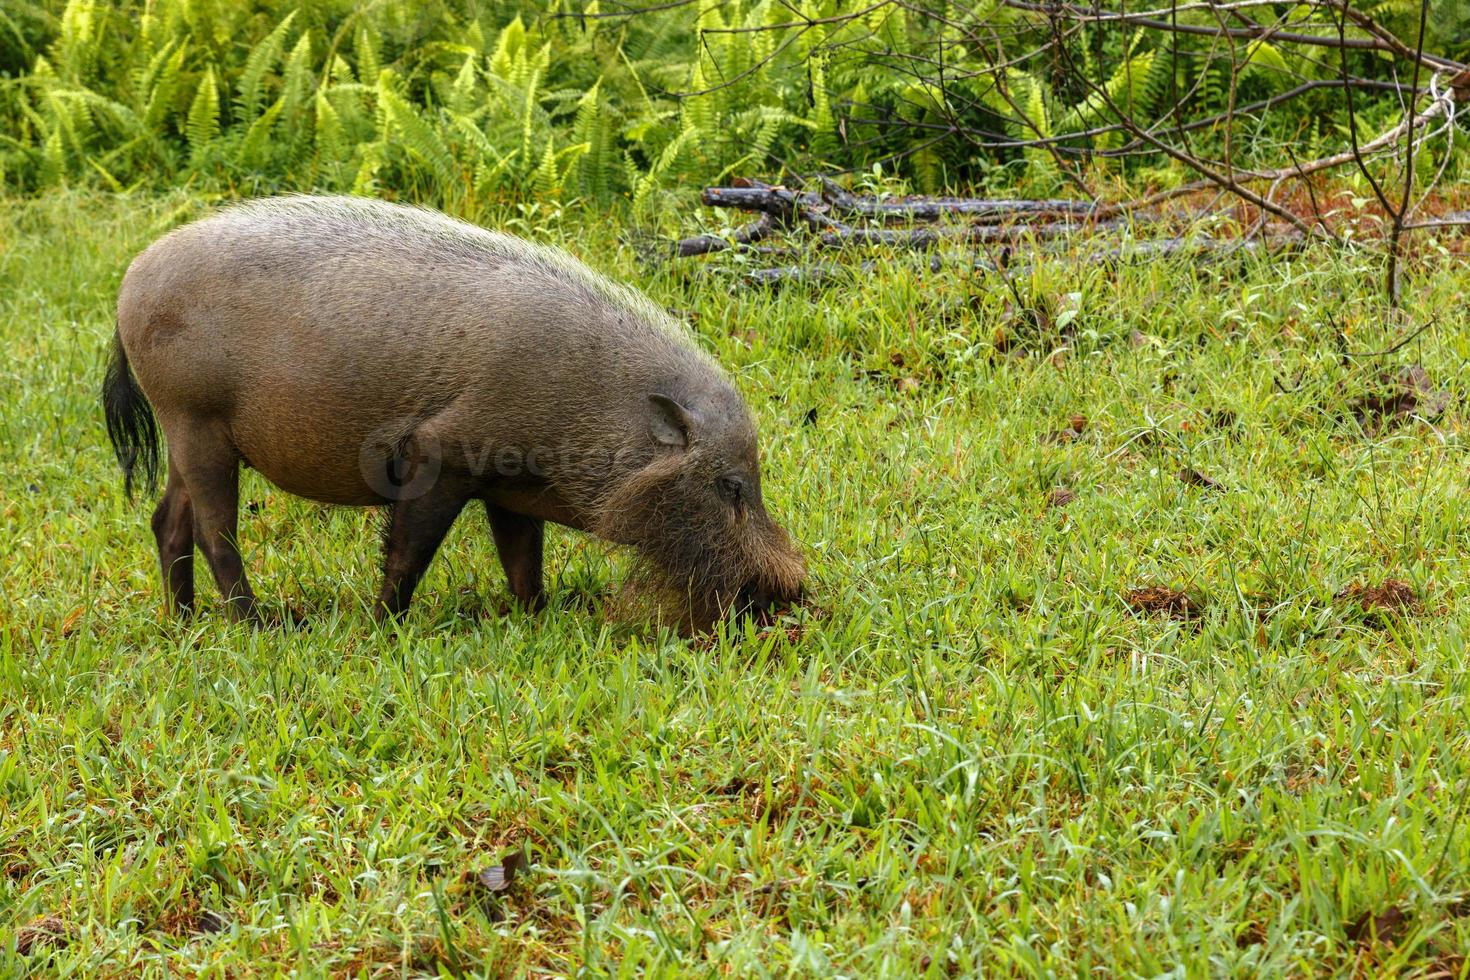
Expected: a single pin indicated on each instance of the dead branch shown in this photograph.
(787, 206)
(704, 244)
(1379, 39)
(821, 272)
(1454, 219)
(926, 238)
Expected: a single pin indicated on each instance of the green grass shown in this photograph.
(969, 755)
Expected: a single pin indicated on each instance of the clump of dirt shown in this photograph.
(1060, 497)
(1386, 928)
(1157, 600)
(1194, 478)
(1391, 594)
(48, 932)
(1250, 934)
(210, 922)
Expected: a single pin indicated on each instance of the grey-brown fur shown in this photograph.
(343, 346)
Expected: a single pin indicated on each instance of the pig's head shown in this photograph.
(694, 510)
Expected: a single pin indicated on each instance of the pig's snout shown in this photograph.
(759, 599)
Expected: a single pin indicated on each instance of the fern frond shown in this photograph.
(262, 58)
(591, 128)
(252, 150)
(662, 165)
(369, 61)
(528, 116)
(509, 47)
(419, 139)
(202, 128)
(544, 180)
(462, 92)
(331, 136)
(159, 83)
(297, 80)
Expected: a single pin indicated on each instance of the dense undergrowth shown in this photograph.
(462, 102)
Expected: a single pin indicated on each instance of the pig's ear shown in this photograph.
(668, 422)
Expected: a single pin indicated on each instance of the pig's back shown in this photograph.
(323, 323)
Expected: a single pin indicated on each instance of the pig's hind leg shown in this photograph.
(416, 528)
(210, 468)
(519, 540)
(173, 528)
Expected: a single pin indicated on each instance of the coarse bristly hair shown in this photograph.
(695, 563)
(421, 224)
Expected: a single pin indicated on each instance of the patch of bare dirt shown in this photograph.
(1390, 594)
(1386, 928)
(48, 932)
(1060, 497)
(1194, 478)
(1157, 600)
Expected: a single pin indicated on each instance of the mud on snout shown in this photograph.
(697, 560)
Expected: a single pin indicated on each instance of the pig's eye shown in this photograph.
(731, 488)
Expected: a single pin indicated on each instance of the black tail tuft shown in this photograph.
(130, 422)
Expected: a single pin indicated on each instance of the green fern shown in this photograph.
(665, 162)
(158, 85)
(262, 58)
(592, 129)
(76, 50)
(203, 125)
(331, 135)
(528, 115)
(508, 57)
(297, 81)
(466, 86)
(366, 48)
(252, 152)
(545, 180)
(411, 133)
(481, 100)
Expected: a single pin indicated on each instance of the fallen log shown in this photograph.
(779, 203)
(926, 238)
(704, 244)
(934, 208)
(1001, 222)
(817, 273)
(787, 206)
(1204, 250)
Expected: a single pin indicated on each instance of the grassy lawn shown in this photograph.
(971, 753)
